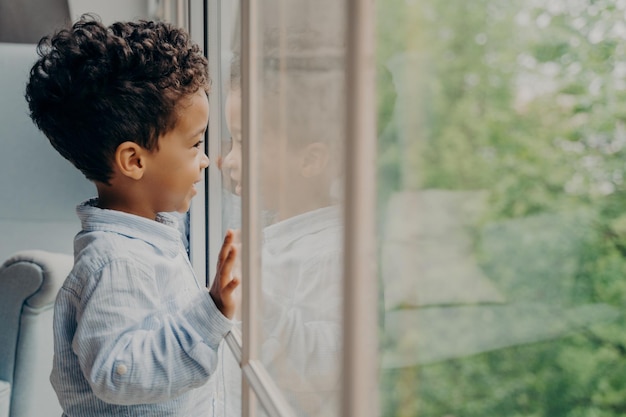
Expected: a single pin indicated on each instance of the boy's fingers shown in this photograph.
(226, 245)
(228, 262)
(227, 266)
(225, 263)
(230, 287)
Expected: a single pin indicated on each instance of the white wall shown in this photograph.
(111, 10)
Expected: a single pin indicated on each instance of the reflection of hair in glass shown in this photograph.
(95, 87)
(301, 96)
(235, 73)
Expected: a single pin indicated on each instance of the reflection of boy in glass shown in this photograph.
(302, 245)
(134, 331)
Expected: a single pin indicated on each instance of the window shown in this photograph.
(280, 177)
(499, 221)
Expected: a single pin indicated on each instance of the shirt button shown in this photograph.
(121, 369)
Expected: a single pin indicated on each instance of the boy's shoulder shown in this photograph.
(97, 251)
(93, 250)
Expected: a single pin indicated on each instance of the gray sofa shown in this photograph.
(29, 282)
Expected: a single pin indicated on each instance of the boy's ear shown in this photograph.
(129, 159)
(314, 159)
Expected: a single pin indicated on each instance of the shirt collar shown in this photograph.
(162, 233)
(279, 236)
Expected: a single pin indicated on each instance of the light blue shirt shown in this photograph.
(135, 334)
(301, 346)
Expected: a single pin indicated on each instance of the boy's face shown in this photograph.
(173, 170)
(232, 161)
(276, 165)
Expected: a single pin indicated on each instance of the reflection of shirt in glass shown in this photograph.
(301, 282)
(134, 332)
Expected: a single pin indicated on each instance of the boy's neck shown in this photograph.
(111, 198)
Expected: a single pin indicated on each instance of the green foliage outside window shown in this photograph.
(524, 102)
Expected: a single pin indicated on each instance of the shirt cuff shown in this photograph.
(208, 320)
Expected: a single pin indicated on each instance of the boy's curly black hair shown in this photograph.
(95, 87)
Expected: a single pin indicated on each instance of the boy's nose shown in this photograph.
(204, 163)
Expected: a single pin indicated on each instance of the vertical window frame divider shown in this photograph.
(250, 239)
(181, 9)
(167, 10)
(360, 352)
(196, 26)
(213, 145)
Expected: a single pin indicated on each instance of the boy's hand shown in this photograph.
(224, 283)
(237, 272)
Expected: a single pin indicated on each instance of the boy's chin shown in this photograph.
(183, 207)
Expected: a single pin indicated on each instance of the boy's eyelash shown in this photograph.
(197, 145)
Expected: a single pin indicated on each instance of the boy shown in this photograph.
(134, 333)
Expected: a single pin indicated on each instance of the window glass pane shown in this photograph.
(227, 29)
(501, 196)
(300, 103)
(230, 139)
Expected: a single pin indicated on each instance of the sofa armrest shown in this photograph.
(5, 398)
(29, 282)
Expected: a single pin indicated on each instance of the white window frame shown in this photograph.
(360, 329)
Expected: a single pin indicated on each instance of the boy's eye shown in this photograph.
(197, 145)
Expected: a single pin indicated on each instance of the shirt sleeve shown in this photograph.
(132, 348)
(302, 321)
